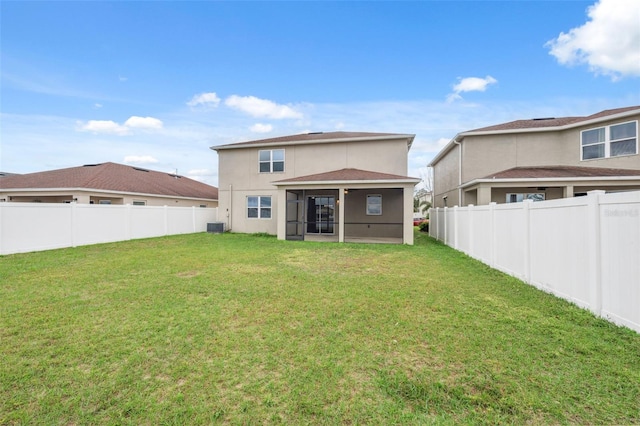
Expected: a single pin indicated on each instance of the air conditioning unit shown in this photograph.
(215, 227)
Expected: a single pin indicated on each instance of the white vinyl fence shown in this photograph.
(584, 249)
(26, 227)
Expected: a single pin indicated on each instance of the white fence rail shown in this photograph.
(26, 227)
(585, 249)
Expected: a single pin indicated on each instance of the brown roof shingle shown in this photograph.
(113, 177)
(314, 136)
(551, 122)
(345, 175)
(560, 172)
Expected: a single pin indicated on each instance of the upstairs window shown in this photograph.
(610, 141)
(271, 160)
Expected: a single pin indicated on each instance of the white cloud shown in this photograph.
(103, 126)
(470, 84)
(110, 127)
(261, 128)
(148, 123)
(209, 99)
(139, 159)
(257, 107)
(97, 106)
(609, 42)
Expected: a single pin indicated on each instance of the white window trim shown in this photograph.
(259, 197)
(607, 141)
(525, 196)
(271, 160)
(374, 214)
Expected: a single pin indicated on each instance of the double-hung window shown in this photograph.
(271, 160)
(374, 205)
(610, 141)
(259, 207)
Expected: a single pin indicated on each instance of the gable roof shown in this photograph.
(348, 175)
(317, 137)
(539, 125)
(113, 177)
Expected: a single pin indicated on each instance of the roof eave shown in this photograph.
(408, 137)
(414, 181)
(550, 179)
(105, 191)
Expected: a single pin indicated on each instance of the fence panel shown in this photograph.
(584, 249)
(620, 238)
(26, 227)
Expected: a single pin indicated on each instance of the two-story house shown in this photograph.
(336, 186)
(539, 159)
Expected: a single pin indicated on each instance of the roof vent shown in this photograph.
(544, 118)
(315, 133)
(140, 170)
(92, 165)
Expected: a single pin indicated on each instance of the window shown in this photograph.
(610, 141)
(259, 207)
(271, 160)
(517, 198)
(374, 205)
(104, 202)
(139, 203)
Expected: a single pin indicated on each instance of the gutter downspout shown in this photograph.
(459, 171)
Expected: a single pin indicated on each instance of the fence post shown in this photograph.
(74, 223)
(128, 213)
(470, 229)
(594, 250)
(526, 206)
(166, 220)
(492, 234)
(446, 224)
(193, 217)
(455, 227)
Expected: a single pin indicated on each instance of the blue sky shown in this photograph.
(155, 84)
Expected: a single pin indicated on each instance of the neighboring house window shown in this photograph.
(104, 202)
(610, 141)
(271, 160)
(374, 205)
(517, 198)
(259, 207)
(139, 203)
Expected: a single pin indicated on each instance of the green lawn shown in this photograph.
(243, 329)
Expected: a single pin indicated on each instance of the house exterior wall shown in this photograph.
(240, 177)
(483, 155)
(445, 179)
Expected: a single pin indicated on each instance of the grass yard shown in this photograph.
(246, 329)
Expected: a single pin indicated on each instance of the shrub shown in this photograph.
(424, 226)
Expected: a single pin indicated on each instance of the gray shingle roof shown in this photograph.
(113, 177)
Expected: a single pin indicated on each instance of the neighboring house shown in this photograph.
(336, 186)
(540, 159)
(107, 183)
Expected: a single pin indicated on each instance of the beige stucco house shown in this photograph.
(336, 186)
(107, 183)
(539, 159)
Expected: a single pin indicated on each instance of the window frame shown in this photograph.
(371, 212)
(607, 141)
(259, 207)
(271, 161)
(533, 196)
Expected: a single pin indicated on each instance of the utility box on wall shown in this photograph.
(215, 227)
